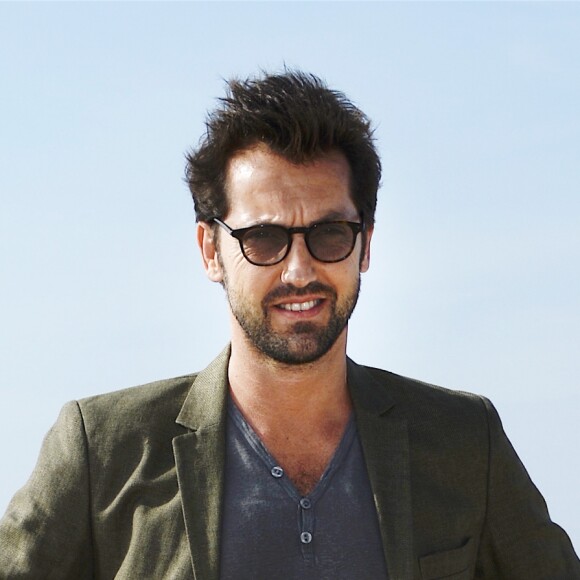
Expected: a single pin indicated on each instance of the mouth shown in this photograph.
(290, 304)
(300, 306)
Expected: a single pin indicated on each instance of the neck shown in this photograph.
(270, 392)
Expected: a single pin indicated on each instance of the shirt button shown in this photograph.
(305, 503)
(277, 471)
(306, 537)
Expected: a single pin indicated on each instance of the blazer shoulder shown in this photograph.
(409, 389)
(137, 397)
(136, 413)
(421, 402)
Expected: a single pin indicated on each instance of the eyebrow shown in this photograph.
(331, 216)
(334, 216)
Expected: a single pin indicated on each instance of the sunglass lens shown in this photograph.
(331, 242)
(265, 245)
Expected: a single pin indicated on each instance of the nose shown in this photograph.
(298, 266)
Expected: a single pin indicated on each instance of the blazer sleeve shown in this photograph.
(46, 530)
(519, 540)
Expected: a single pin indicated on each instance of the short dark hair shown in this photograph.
(298, 117)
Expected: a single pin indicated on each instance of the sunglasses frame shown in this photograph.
(356, 227)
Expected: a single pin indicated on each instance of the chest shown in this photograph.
(304, 451)
(270, 524)
(304, 459)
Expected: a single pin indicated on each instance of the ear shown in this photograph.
(365, 258)
(209, 254)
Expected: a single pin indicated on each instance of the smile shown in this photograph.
(299, 306)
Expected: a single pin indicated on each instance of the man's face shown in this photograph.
(296, 310)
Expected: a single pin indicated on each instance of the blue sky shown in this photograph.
(475, 278)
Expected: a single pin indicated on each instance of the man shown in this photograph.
(283, 458)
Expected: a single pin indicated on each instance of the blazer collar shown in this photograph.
(205, 404)
(382, 427)
(368, 394)
(199, 460)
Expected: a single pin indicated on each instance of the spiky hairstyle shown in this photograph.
(298, 117)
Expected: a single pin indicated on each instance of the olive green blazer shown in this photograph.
(129, 485)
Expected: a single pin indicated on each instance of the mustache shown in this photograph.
(290, 291)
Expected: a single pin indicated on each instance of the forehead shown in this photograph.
(263, 186)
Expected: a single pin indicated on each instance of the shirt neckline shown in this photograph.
(260, 449)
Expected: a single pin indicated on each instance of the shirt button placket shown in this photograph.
(307, 529)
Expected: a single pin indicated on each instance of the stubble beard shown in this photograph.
(305, 342)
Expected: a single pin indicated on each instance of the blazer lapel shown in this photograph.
(385, 442)
(199, 459)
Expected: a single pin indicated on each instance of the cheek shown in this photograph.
(238, 263)
(342, 276)
(248, 281)
(354, 264)
(232, 262)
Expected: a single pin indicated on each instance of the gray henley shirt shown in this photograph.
(270, 531)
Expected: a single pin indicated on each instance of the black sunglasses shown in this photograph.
(269, 244)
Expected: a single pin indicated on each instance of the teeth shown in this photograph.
(299, 306)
